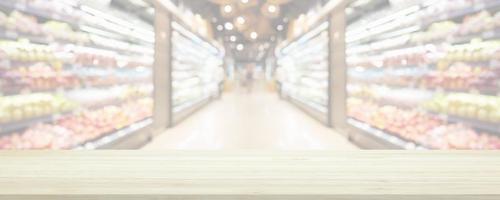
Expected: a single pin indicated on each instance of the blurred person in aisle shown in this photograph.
(249, 76)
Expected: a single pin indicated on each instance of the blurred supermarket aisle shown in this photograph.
(257, 120)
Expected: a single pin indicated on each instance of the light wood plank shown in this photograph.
(254, 175)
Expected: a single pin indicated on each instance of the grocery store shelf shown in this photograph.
(383, 136)
(114, 137)
(488, 127)
(25, 8)
(435, 90)
(12, 127)
(62, 89)
(486, 5)
(196, 38)
(285, 47)
(487, 35)
(12, 35)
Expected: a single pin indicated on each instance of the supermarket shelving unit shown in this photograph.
(425, 76)
(304, 71)
(196, 71)
(311, 67)
(76, 79)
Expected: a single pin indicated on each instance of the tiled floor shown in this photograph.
(250, 121)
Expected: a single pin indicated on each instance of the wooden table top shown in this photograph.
(249, 175)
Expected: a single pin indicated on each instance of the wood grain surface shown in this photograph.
(369, 175)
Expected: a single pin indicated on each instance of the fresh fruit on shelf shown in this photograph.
(19, 22)
(406, 97)
(419, 127)
(458, 136)
(109, 95)
(436, 31)
(21, 107)
(73, 130)
(62, 31)
(27, 52)
(413, 56)
(473, 106)
(38, 77)
(90, 58)
(475, 51)
(462, 76)
(473, 24)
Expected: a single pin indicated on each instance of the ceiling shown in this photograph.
(255, 26)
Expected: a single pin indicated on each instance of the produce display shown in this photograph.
(430, 76)
(484, 108)
(20, 107)
(72, 130)
(303, 69)
(420, 127)
(196, 69)
(67, 79)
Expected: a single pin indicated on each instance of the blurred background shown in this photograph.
(250, 74)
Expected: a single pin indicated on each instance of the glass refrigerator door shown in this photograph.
(303, 69)
(197, 69)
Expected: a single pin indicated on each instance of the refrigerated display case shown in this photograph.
(197, 71)
(303, 72)
(425, 75)
(72, 75)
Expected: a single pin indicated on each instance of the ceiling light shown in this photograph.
(232, 38)
(244, 1)
(220, 27)
(272, 8)
(254, 35)
(240, 20)
(228, 8)
(228, 26)
(240, 47)
(279, 27)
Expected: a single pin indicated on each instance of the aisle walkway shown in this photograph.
(256, 121)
